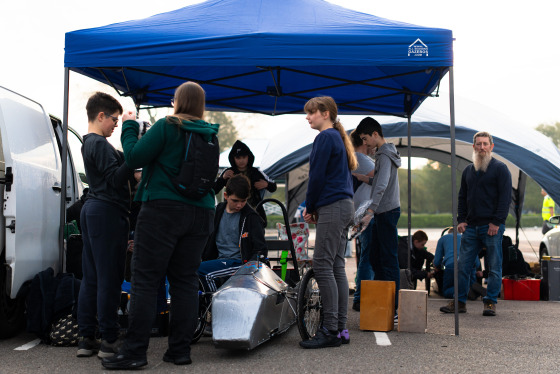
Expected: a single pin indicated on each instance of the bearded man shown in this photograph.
(484, 199)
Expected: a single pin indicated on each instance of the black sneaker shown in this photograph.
(87, 346)
(122, 362)
(177, 360)
(450, 307)
(356, 306)
(489, 309)
(322, 339)
(109, 349)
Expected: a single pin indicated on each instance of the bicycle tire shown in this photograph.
(202, 313)
(309, 306)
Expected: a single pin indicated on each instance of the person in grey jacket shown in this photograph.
(386, 206)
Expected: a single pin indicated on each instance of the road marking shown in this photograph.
(382, 338)
(29, 345)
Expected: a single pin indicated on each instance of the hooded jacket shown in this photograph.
(386, 193)
(163, 143)
(251, 235)
(253, 173)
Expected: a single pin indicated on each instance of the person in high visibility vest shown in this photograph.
(547, 211)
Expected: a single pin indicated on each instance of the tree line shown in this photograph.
(431, 190)
(431, 185)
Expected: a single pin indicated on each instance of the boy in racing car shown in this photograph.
(238, 235)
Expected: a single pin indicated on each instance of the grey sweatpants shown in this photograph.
(328, 261)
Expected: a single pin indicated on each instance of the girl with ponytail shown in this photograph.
(329, 205)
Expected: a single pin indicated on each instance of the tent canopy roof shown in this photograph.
(267, 56)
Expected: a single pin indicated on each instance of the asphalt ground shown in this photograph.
(523, 337)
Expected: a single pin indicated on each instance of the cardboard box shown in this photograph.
(522, 289)
(377, 305)
(413, 311)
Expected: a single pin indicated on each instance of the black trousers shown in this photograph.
(104, 233)
(169, 239)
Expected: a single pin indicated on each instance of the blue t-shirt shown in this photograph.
(227, 238)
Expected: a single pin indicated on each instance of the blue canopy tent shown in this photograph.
(525, 151)
(267, 56)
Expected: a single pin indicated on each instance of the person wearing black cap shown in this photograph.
(241, 159)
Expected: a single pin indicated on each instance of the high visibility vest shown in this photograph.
(546, 205)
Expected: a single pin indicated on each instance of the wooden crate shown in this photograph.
(413, 311)
(377, 305)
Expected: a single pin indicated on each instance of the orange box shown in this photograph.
(377, 305)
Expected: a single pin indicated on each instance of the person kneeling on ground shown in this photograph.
(238, 235)
(419, 257)
(443, 266)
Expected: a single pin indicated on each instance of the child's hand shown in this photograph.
(228, 174)
(260, 184)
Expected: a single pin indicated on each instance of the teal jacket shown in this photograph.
(164, 143)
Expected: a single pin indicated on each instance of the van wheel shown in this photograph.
(12, 317)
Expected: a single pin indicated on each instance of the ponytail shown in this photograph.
(350, 155)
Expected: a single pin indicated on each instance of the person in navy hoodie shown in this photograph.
(329, 205)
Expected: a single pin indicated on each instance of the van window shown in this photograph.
(31, 139)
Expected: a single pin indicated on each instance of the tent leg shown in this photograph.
(64, 157)
(454, 197)
(409, 139)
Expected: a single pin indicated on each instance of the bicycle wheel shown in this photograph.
(309, 306)
(203, 305)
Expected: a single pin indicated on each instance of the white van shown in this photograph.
(30, 187)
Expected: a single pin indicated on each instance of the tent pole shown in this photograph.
(409, 190)
(519, 201)
(454, 197)
(286, 193)
(64, 157)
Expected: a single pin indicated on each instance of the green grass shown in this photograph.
(432, 220)
(446, 219)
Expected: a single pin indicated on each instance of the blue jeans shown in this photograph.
(384, 249)
(105, 236)
(448, 287)
(474, 238)
(169, 239)
(214, 273)
(364, 271)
